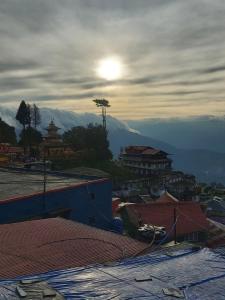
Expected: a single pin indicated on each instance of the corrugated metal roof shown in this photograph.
(167, 198)
(42, 245)
(190, 216)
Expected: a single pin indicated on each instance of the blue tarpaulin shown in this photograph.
(197, 274)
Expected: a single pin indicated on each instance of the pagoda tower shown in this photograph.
(53, 137)
(53, 146)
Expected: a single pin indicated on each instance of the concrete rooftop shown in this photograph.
(18, 183)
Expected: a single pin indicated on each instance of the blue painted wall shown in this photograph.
(89, 203)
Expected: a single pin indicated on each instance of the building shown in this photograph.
(154, 169)
(29, 195)
(167, 198)
(38, 246)
(10, 154)
(184, 217)
(145, 161)
(52, 145)
(172, 273)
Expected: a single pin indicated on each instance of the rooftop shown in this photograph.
(143, 150)
(152, 276)
(16, 184)
(167, 198)
(190, 217)
(38, 246)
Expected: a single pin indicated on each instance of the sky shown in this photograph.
(172, 55)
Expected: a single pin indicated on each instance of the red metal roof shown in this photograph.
(38, 246)
(190, 216)
(167, 198)
(144, 150)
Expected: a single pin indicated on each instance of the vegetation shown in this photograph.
(91, 148)
(23, 114)
(31, 138)
(90, 141)
(35, 116)
(28, 116)
(7, 133)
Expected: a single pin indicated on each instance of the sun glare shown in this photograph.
(109, 69)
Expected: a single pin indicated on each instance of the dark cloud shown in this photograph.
(6, 66)
(214, 69)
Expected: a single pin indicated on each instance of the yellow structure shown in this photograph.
(53, 146)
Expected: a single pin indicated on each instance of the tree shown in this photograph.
(103, 103)
(7, 133)
(35, 116)
(92, 138)
(29, 115)
(23, 114)
(30, 138)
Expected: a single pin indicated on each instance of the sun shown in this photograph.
(109, 68)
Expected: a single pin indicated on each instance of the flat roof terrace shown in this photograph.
(15, 184)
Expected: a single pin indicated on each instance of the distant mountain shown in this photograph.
(205, 132)
(63, 119)
(121, 138)
(206, 165)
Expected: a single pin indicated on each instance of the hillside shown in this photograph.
(205, 132)
(205, 164)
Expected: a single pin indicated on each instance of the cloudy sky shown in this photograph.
(172, 55)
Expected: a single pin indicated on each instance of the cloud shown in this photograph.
(171, 50)
(214, 69)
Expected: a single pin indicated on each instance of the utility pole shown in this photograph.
(44, 181)
(175, 224)
(103, 103)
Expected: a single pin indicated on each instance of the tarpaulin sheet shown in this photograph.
(198, 274)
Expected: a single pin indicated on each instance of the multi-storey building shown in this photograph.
(145, 161)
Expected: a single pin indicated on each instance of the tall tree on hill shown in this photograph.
(29, 111)
(23, 114)
(103, 103)
(35, 116)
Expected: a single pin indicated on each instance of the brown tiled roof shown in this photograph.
(38, 246)
(190, 216)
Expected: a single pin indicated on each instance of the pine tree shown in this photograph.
(23, 115)
(35, 116)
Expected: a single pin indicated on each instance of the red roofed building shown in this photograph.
(167, 198)
(191, 222)
(144, 160)
(38, 246)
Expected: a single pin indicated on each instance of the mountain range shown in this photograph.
(190, 154)
(204, 132)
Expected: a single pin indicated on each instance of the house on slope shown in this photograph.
(144, 160)
(167, 198)
(186, 219)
